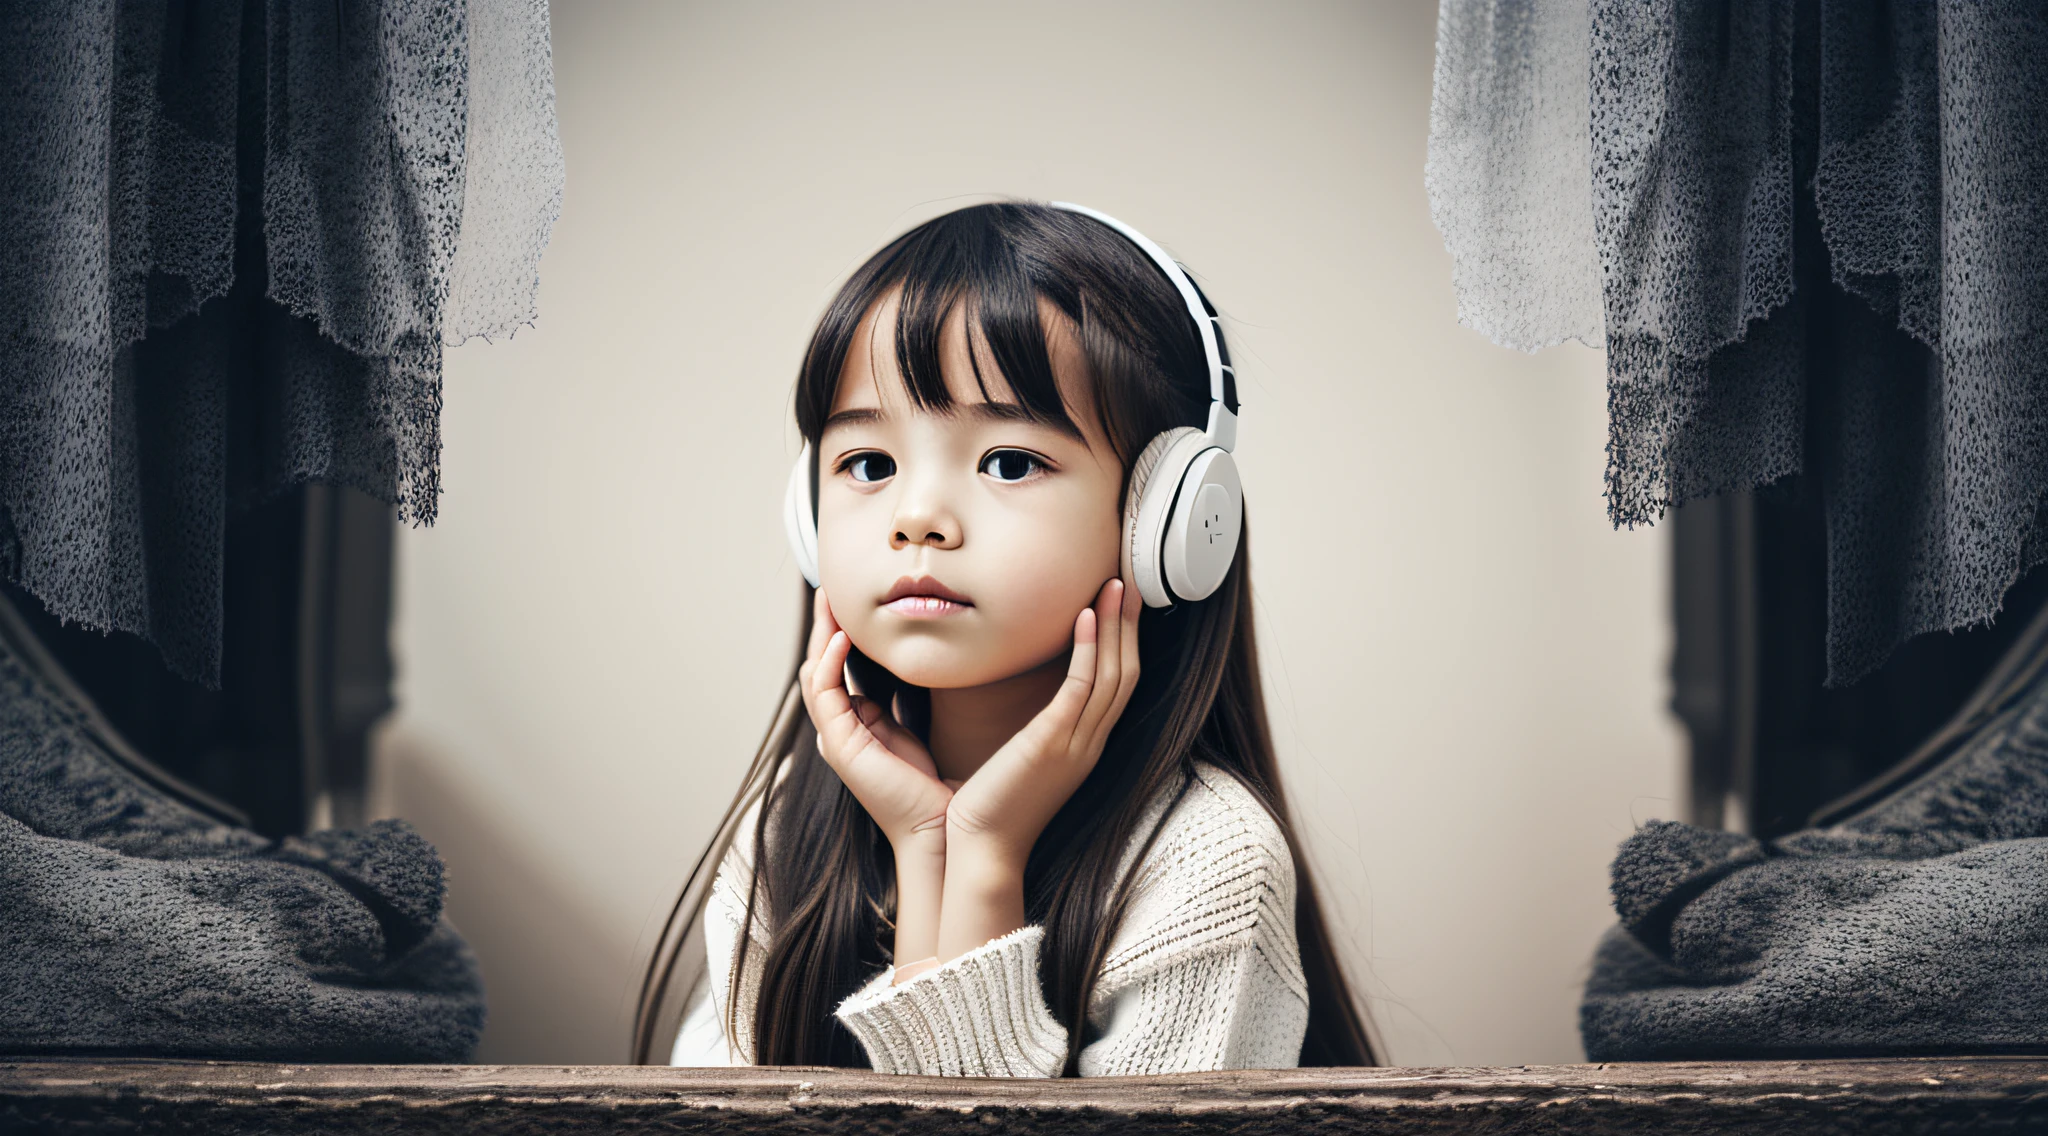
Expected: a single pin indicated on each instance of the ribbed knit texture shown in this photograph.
(1204, 973)
(980, 1015)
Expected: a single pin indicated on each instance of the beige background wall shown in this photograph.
(1466, 664)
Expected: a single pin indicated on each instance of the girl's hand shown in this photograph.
(997, 815)
(884, 765)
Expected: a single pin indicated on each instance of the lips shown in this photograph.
(923, 596)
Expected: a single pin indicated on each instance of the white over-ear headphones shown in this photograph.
(1185, 506)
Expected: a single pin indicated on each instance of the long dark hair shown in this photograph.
(829, 897)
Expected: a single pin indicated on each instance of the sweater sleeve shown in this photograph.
(1205, 974)
(980, 1015)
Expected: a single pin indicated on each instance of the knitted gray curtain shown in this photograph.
(235, 236)
(1812, 236)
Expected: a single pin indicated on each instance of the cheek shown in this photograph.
(849, 566)
(1051, 571)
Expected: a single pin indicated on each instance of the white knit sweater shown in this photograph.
(1204, 972)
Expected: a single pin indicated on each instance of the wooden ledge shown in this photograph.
(1894, 1095)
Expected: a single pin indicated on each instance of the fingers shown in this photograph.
(1109, 618)
(1102, 671)
(1092, 729)
(822, 627)
(826, 698)
(1067, 705)
(829, 677)
(1117, 607)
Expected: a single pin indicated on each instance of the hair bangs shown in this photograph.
(960, 266)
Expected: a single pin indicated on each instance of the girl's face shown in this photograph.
(957, 548)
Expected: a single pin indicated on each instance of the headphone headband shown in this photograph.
(1222, 428)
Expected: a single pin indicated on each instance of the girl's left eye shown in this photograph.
(871, 467)
(1011, 465)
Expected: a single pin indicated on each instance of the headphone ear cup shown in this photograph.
(800, 519)
(1148, 507)
(1208, 518)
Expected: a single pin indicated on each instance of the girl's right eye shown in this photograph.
(870, 467)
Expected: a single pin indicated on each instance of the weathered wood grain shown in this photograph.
(1900, 1095)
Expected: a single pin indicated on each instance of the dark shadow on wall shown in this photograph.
(555, 982)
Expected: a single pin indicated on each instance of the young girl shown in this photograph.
(1009, 822)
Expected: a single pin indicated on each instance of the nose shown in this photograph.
(924, 521)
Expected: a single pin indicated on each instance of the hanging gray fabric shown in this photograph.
(1509, 175)
(1754, 165)
(1915, 923)
(234, 237)
(133, 923)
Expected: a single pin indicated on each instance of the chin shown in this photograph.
(946, 666)
(930, 665)
(932, 674)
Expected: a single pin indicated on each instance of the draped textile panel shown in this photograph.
(1813, 238)
(235, 236)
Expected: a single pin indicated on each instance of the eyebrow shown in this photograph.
(860, 417)
(992, 411)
